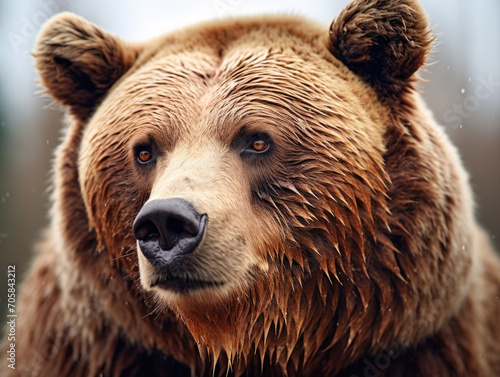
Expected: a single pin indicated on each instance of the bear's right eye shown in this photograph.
(144, 155)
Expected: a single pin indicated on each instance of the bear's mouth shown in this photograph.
(183, 285)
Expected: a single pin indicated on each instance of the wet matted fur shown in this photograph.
(350, 247)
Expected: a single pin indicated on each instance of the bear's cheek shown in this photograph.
(203, 243)
(111, 189)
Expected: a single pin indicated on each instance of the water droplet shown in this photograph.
(47, 142)
(447, 67)
(7, 194)
(469, 79)
(463, 247)
(389, 310)
(461, 126)
(462, 91)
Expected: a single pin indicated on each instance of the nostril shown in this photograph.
(177, 229)
(146, 231)
(175, 225)
(180, 226)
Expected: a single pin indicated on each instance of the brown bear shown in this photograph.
(256, 197)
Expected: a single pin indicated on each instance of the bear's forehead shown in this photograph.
(254, 83)
(255, 74)
(216, 88)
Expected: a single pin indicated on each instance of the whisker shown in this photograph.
(147, 315)
(121, 256)
(161, 307)
(129, 252)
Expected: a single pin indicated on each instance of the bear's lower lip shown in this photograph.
(183, 285)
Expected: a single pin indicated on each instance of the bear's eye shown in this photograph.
(259, 146)
(257, 143)
(144, 155)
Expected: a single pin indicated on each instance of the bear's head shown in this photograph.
(275, 183)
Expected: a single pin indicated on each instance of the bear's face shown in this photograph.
(248, 142)
(273, 182)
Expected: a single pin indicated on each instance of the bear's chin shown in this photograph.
(177, 284)
(183, 285)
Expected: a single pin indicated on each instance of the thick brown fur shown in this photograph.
(350, 248)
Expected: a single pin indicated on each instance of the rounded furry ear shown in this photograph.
(78, 62)
(383, 41)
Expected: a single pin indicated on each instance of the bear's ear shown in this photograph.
(78, 62)
(383, 41)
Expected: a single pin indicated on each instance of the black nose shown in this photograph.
(166, 228)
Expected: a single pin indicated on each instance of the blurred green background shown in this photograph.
(462, 89)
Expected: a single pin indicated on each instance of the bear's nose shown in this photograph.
(172, 224)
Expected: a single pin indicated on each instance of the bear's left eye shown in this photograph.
(257, 144)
